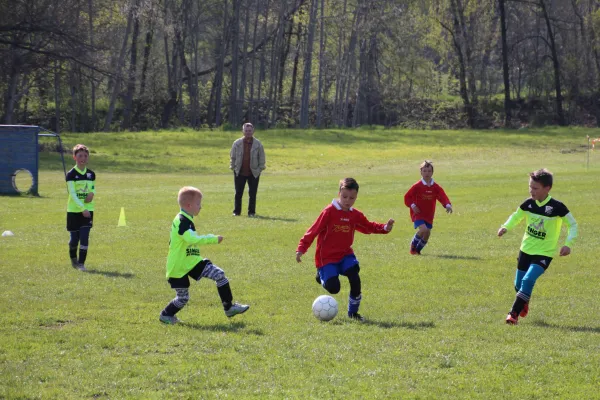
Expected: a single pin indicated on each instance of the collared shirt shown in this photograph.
(246, 171)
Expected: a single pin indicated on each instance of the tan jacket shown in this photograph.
(257, 157)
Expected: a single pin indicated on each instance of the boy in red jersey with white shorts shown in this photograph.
(334, 230)
(421, 198)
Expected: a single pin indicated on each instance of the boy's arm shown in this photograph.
(514, 220)
(73, 194)
(572, 227)
(409, 197)
(312, 232)
(191, 237)
(367, 227)
(443, 199)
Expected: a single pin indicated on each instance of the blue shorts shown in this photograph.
(420, 222)
(335, 269)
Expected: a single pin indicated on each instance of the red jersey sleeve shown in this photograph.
(319, 225)
(411, 196)
(367, 227)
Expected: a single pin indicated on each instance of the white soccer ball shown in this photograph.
(325, 308)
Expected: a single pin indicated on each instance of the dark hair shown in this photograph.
(349, 183)
(425, 164)
(542, 176)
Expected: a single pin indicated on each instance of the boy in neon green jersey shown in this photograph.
(184, 259)
(81, 183)
(544, 217)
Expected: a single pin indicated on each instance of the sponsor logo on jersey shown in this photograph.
(548, 210)
(345, 219)
(341, 228)
(192, 252)
(537, 230)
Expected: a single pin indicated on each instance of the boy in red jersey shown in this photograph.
(334, 229)
(421, 198)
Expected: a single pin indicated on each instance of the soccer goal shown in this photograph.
(19, 158)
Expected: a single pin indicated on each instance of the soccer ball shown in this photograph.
(325, 308)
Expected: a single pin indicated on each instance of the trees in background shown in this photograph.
(143, 64)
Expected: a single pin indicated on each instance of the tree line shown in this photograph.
(90, 65)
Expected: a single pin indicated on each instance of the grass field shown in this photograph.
(435, 323)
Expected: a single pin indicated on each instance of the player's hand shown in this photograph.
(89, 198)
(86, 214)
(501, 232)
(449, 209)
(565, 251)
(298, 256)
(416, 209)
(219, 238)
(390, 225)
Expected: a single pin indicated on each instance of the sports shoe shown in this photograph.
(236, 309)
(414, 251)
(74, 263)
(356, 317)
(318, 278)
(512, 318)
(169, 320)
(524, 311)
(251, 215)
(81, 267)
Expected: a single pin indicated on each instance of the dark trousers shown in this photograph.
(240, 184)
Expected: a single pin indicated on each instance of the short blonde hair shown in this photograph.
(187, 194)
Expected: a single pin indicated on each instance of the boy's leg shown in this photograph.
(526, 289)
(355, 296)
(329, 276)
(423, 233)
(84, 237)
(182, 296)
(73, 243)
(208, 270)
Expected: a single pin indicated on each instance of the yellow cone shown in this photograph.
(122, 218)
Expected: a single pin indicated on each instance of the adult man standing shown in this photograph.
(247, 160)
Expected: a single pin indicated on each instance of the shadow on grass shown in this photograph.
(231, 327)
(452, 257)
(274, 218)
(111, 274)
(544, 324)
(400, 324)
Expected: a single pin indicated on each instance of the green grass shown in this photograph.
(435, 323)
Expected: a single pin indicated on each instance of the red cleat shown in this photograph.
(524, 311)
(512, 318)
(414, 251)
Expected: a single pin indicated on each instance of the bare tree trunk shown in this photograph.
(57, 68)
(505, 70)
(339, 70)
(350, 68)
(295, 63)
(251, 108)
(321, 66)
(117, 84)
(559, 106)
(221, 65)
(306, 80)
(92, 79)
(235, 48)
(127, 110)
(242, 94)
(262, 72)
(275, 52)
(11, 91)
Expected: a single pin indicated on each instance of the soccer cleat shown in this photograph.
(236, 309)
(512, 318)
(74, 263)
(356, 317)
(414, 251)
(81, 267)
(251, 215)
(524, 311)
(168, 319)
(318, 278)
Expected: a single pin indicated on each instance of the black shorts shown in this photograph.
(525, 260)
(76, 221)
(184, 281)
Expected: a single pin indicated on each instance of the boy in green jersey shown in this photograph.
(81, 184)
(184, 259)
(544, 217)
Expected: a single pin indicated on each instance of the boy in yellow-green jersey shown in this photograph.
(184, 259)
(81, 184)
(544, 217)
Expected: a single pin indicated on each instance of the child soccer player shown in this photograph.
(81, 184)
(334, 256)
(544, 217)
(421, 198)
(184, 259)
